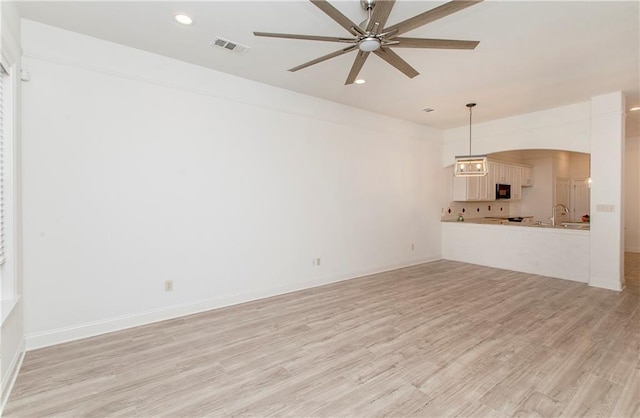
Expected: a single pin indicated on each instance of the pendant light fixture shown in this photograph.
(470, 165)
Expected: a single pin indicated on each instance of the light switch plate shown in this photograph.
(605, 208)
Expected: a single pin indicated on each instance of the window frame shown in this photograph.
(9, 289)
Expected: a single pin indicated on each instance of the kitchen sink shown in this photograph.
(541, 225)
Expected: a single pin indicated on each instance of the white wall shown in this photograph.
(139, 169)
(632, 195)
(607, 145)
(12, 329)
(580, 166)
(562, 164)
(563, 128)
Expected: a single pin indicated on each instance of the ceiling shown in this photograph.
(533, 55)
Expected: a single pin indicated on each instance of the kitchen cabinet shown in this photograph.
(472, 189)
(527, 177)
(501, 173)
(515, 180)
(491, 183)
(484, 188)
(465, 188)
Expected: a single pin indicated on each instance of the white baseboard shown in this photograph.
(604, 284)
(91, 329)
(10, 378)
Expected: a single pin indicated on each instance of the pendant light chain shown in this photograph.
(470, 106)
(470, 112)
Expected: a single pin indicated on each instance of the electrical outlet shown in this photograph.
(168, 285)
(315, 261)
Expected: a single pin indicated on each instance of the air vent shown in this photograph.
(229, 46)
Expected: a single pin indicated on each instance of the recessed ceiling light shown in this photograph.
(182, 18)
(360, 81)
(633, 109)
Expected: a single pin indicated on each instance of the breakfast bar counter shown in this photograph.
(523, 221)
(554, 251)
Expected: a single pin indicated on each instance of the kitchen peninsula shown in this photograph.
(517, 233)
(561, 252)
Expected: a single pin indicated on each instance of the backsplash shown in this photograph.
(472, 210)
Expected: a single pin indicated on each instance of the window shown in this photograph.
(7, 289)
(4, 90)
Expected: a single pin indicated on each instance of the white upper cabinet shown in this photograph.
(491, 183)
(515, 180)
(472, 189)
(484, 188)
(527, 177)
(501, 175)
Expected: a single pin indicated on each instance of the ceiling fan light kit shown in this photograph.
(373, 35)
(470, 165)
(369, 44)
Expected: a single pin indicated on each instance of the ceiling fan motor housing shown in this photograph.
(367, 4)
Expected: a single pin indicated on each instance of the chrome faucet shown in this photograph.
(553, 212)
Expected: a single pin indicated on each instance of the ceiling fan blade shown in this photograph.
(304, 37)
(380, 14)
(434, 43)
(324, 58)
(395, 60)
(430, 16)
(336, 15)
(357, 66)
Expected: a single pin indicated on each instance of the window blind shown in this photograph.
(4, 77)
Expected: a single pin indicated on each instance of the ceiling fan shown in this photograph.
(372, 35)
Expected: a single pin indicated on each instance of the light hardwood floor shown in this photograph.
(632, 272)
(434, 340)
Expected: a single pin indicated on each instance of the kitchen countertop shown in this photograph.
(527, 222)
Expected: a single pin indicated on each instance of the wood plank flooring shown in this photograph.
(632, 272)
(441, 339)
